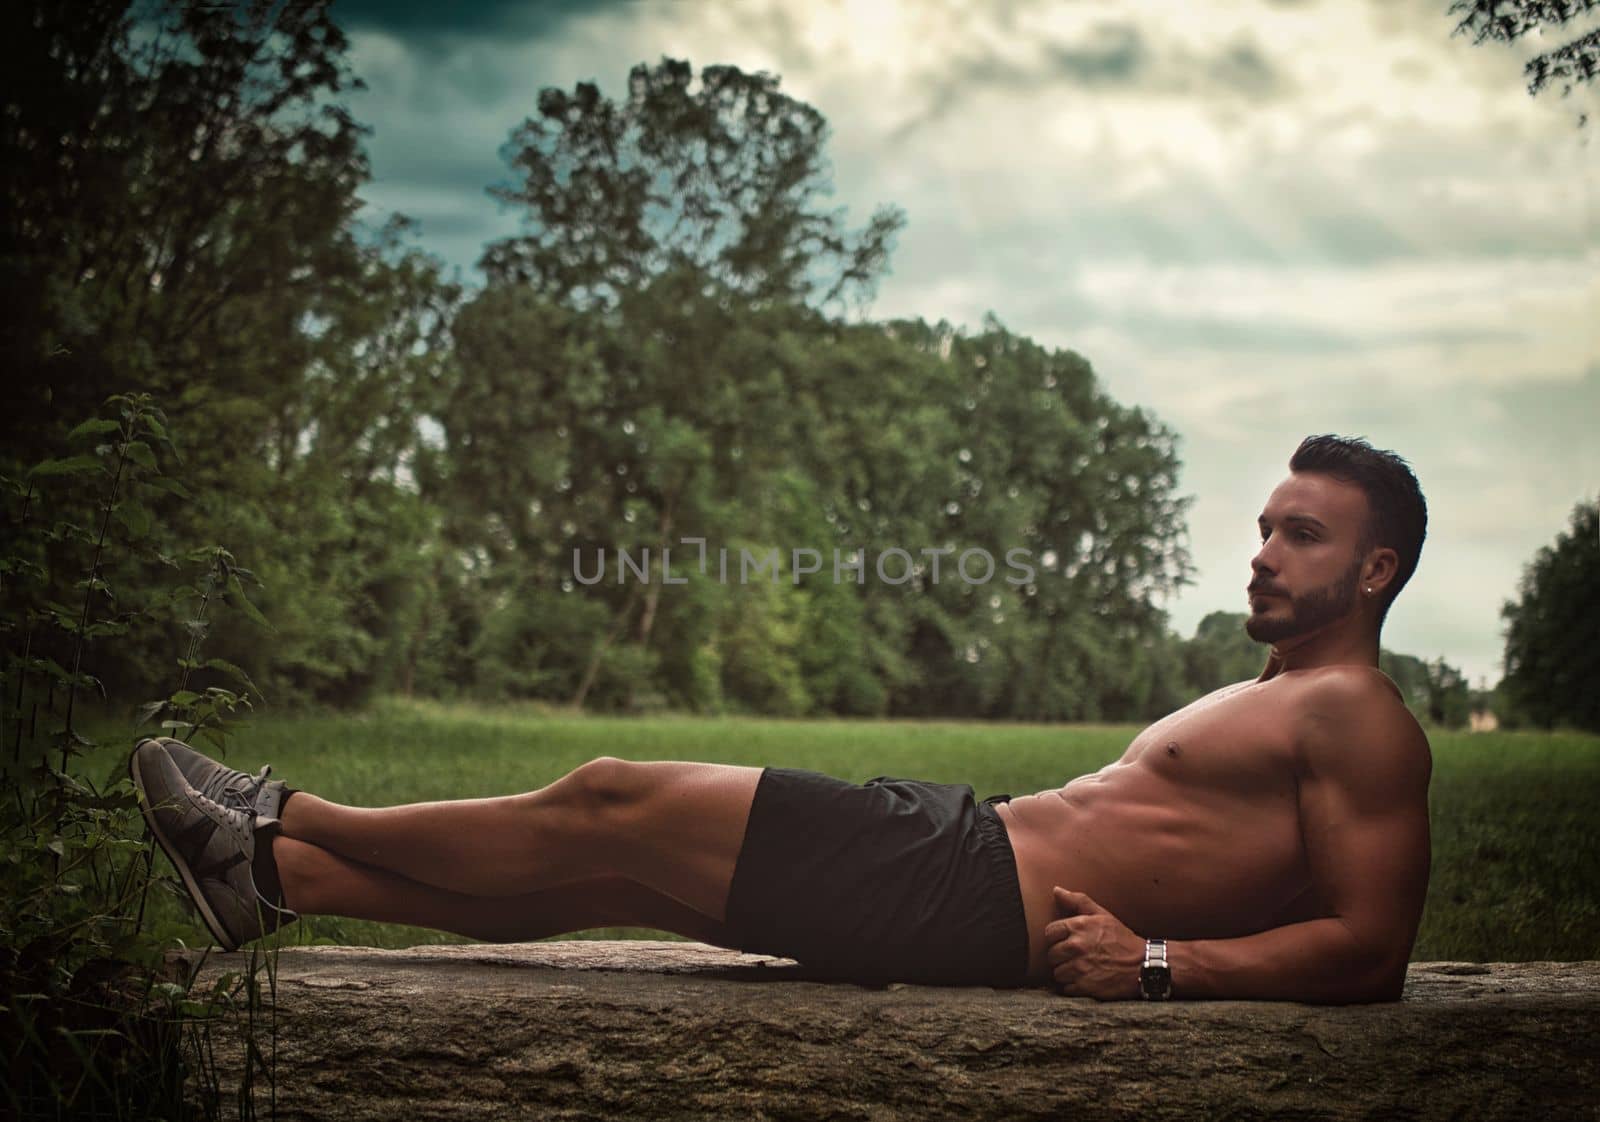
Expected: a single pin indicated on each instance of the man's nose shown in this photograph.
(1262, 561)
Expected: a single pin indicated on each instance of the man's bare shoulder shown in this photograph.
(1351, 684)
(1357, 713)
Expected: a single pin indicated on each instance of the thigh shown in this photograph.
(676, 828)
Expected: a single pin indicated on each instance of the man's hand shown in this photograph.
(1090, 952)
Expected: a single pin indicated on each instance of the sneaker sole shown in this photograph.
(148, 810)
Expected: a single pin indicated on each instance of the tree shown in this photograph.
(991, 442)
(1449, 699)
(721, 179)
(663, 354)
(1505, 21)
(1551, 661)
(172, 201)
(624, 372)
(177, 197)
(1221, 653)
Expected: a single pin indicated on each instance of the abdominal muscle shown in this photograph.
(1165, 863)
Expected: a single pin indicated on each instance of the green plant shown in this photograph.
(96, 1021)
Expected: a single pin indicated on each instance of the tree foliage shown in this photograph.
(1222, 652)
(719, 178)
(179, 182)
(1505, 21)
(1551, 662)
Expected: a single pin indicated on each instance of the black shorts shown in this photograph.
(887, 880)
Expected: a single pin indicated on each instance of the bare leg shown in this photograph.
(675, 828)
(317, 882)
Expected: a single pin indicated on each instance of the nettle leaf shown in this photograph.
(97, 426)
(135, 517)
(71, 465)
(242, 602)
(149, 711)
(184, 697)
(22, 567)
(69, 783)
(235, 672)
(69, 531)
(169, 485)
(139, 452)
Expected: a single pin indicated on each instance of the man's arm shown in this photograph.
(1364, 820)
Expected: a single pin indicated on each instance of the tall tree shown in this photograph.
(177, 198)
(722, 177)
(173, 197)
(623, 373)
(1551, 661)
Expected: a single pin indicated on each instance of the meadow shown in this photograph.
(1514, 823)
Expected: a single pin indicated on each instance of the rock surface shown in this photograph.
(579, 1029)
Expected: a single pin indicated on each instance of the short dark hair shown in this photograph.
(1398, 514)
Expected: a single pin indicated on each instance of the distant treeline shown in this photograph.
(672, 350)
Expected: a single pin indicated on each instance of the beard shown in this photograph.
(1308, 612)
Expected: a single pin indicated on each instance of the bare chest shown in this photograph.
(1227, 743)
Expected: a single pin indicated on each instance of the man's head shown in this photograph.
(1345, 528)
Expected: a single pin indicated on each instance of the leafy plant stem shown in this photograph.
(81, 639)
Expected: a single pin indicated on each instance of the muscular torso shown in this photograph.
(1194, 833)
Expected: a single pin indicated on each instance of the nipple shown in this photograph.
(1172, 747)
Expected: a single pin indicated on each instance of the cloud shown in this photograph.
(429, 25)
(1111, 56)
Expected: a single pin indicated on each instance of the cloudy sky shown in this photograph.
(1258, 218)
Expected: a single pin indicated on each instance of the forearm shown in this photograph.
(1320, 960)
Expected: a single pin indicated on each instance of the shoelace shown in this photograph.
(224, 788)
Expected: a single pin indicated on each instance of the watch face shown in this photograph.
(1156, 979)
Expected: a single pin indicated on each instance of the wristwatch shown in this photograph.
(1155, 976)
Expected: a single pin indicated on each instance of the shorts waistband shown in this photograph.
(1003, 860)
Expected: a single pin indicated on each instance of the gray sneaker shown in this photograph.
(228, 786)
(212, 847)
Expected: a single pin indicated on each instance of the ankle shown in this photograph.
(294, 863)
(264, 868)
(291, 809)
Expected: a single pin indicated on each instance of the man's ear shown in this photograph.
(1381, 566)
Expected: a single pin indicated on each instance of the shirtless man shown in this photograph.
(1274, 833)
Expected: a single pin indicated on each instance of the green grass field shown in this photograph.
(1515, 830)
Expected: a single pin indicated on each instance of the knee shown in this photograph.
(605, 784)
